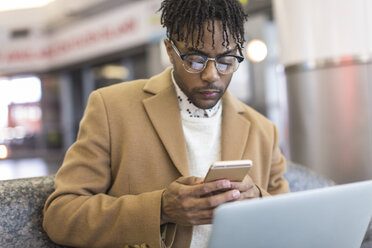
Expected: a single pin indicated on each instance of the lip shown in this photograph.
(210, 94)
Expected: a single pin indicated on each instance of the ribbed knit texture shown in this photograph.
(202, 131)
(203, 143)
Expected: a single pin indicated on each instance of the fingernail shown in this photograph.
(226, 184)
(236, 194)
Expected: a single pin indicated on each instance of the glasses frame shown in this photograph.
(206, 59)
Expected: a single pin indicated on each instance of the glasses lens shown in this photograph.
(194, 63)
(227, 64)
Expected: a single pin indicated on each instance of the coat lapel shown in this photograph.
(235, 129)
(163, 111)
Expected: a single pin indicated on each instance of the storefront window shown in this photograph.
(20, 111)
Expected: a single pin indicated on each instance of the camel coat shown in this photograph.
(130, 147)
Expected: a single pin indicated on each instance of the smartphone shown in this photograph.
(234, 170)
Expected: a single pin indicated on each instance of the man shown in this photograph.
(135, 174)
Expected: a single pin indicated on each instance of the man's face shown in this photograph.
(204, 89)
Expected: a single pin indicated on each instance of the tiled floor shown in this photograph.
(30, 167)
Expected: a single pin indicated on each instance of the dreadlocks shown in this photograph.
(186, 18)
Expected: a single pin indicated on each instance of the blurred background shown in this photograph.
(307, 68)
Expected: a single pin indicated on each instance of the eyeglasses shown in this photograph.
(196, 63)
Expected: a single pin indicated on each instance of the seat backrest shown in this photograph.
(21, 204)
(302, 178)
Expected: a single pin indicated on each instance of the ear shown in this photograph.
(169, 48)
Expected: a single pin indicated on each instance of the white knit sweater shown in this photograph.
(203, 143)
(202, 131)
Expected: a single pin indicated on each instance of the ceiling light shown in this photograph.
(3, 152)
(6, 5)
(256, 50)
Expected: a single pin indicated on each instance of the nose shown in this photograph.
(210, 74)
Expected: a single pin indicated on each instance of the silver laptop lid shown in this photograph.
(336, 216)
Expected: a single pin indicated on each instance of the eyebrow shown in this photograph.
(195, 50)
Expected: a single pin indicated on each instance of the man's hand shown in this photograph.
(247, 188)
(189, 201)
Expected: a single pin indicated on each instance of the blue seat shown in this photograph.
(301, 178)
(21, 206)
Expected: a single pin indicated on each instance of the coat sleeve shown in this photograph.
(277, 183)
(80, 213)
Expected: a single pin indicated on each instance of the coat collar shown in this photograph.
(159, 82)
(235, 128)
(163, 111)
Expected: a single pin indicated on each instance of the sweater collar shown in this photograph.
(187, 108)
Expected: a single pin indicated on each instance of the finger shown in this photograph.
(207, 188)
(203, 221)
(250, 194)
(213, 201)
(185, 190)
(200, 214)
(242, 187)
(199, 180)
(190, 180)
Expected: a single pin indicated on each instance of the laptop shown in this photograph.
(336, 216)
